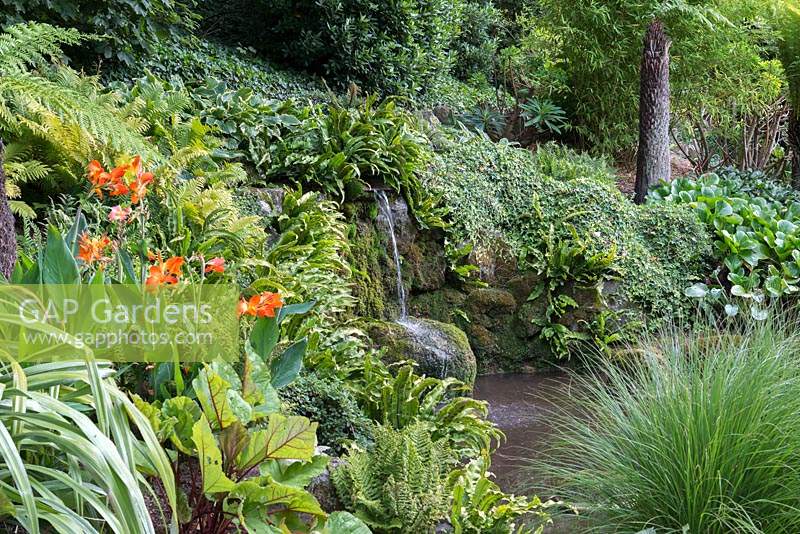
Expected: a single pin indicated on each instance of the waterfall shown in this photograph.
(383, 204)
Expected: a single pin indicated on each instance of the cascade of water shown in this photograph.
(383, 204)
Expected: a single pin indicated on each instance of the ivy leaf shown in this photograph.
(214, 478)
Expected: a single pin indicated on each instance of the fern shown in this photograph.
(33, 45)
(400, 485)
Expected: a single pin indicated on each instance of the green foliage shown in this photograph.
(708, 413)
(404, 398)
(563, 163)
(787, 16)
(61, 119)
(341, 148)
(544, 116)
(329, 401)
(194, 61)
(399, 484)
(69, 456)
(229, 421)
(389, 47)
(252, 126)
(503, 200)
(755, 224)
(714, 57)
(74, 448)
(126, 26)
(479, 506)
(565, 264)
(477, 43)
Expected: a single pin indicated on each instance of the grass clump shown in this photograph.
(700, 434)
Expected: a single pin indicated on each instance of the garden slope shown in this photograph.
(500, 194)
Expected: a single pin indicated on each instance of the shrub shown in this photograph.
(385, 46)
(330, 402)
(126, 27)
(715, 60)
(341, 149)
(194, 61)
(476, 46)
(563, 163)
(502, 197)
(698, 435)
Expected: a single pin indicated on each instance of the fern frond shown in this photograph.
(33, 45)
(22, 209)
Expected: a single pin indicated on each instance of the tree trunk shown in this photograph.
(794, 145)
(653, 161)
(8, 238)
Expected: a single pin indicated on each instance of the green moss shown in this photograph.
(367, 257)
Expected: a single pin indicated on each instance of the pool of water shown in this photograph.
(522, 405)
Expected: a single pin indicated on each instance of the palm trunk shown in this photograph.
(653, 161)
(8, 239)
(794, 145)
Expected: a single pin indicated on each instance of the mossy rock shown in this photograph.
(443, 305)
(490, 307)
(440, 349)
(424, 265)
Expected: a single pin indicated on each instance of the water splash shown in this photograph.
(386, 210)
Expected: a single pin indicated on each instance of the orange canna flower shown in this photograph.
(118, 188)
(174, 264)
(269, 303)
(262, 305)
(136, 165)
(90, 249)
(138, 187)
(94, 169)
(164, 272)
(215, 265)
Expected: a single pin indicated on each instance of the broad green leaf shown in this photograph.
(341, 522)
(285, 368)
(186, 413)
(295, 309)
(265, 494)
(214, 478)
(212, 393)
(58, 263)
(698, 291)
(295, 473)
(264, 336)
(285, 438)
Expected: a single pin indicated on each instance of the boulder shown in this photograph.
(441, 350)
